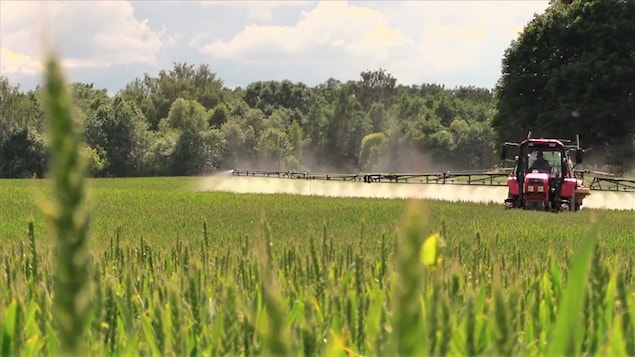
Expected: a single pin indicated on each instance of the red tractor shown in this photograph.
(543, 178)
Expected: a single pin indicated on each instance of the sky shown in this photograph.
(109, 44)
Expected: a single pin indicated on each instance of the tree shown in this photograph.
(236, 142)
(377, 116)
(22, 154)
(218, 115)
(340, 130)
(95, 162)
(18, 110)
(372, 152)
(155, 95)
(376, 87)
(297, 141)
(182, 121)
(571, 72)
(198, 147)
(118, 130)
(87, 98)
(273, 147)
(272, 95)
(474, 144)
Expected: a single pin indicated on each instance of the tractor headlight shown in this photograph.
(530, 188)
(541, 188)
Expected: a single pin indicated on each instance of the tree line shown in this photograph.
(185, 122)
(571, 71)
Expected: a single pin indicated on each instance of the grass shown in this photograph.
(164, 209)
(182, 271)
(167, 271)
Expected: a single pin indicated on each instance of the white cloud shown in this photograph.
(414, 40)
(332, 28)
(12, 62)
(460, 36)
(88, 34)
(426, 41)
(259, 10)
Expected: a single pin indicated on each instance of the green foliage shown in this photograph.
(409, 278)
(273, 147)
(373, 151)
(68, 215)
(269, 124)
(297, 140)
(87, 98)
(95, 163)
(118, 129)
(186, 114)
(165, 125)
(570, 73)
(216, 273)
(376, 87)
(273, 95)
(18, 110)
(155, 95)
(218, 115)
(474, 143)
(22, 154)
(564, 339)
(193, 147)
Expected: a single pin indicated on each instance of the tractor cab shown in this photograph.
(544, 161)
(543, 178)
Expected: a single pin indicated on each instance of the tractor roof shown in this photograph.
(545, 142)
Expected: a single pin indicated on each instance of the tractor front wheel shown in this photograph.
(511, 202)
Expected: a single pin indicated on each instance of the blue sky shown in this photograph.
(112, 43)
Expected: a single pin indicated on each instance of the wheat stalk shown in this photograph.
(68, 214)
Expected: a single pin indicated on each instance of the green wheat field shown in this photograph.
(176, 272)
(151, 267)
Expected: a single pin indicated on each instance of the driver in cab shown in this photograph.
(540, 163)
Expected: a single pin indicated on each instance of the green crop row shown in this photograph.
(338, 285)
(148, 266)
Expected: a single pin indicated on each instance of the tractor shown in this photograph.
(543, 178)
